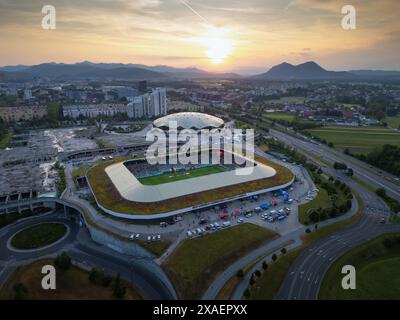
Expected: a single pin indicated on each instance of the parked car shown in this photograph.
(189, 234)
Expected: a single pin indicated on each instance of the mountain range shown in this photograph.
(89, 70)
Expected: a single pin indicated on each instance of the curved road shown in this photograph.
(86, 253)
(304, 277)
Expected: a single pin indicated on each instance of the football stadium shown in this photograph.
(134, 189)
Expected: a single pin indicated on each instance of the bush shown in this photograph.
(308, 230)
(265, 265)
(246, 293)
(119, 288)
(274, 257)
(257, 273)
(63, 261)
(20, 291)
(240, 273)
(283, 250)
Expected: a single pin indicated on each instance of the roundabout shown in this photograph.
(38, 237)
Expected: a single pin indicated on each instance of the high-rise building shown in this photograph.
(149, 105)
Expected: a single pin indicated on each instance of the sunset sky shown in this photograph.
(217, 35)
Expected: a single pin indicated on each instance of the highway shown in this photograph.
(304, 277)
(361, 170)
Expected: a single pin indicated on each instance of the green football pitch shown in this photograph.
(181, 175)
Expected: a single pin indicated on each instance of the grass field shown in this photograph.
(320, 201)
(271, 279)
(71, 284)
(378, 271)
(196, 262)
(393, 122)
(181, 175)
(5, 140)
(358, 140)
(108, 196)
(38, 236)
(289, 117)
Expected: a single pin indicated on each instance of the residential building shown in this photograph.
(22, 113)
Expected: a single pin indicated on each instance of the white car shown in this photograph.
(148, 238)
(158, 237)
(240, 220)
(189, 234)
(131, 237)
(137, 236)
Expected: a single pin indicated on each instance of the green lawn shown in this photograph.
(289, 117)
(181, 175)
(358, 140)
(320, 201)
(378, 271)
(5, 140)
(71, 284)
(394, 122)
(38, 236)
(196, 262)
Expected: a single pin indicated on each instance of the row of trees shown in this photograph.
(257, 273)
(386, 158)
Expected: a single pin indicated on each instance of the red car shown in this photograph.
(223, 215)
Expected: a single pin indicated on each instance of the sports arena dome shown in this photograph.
(189, 120)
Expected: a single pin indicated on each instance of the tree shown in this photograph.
(308, 230)
(119, 288)
(265, 265)
(240, 273)
(274, 257)
(20, 291)
(381, 192)
(283, 250)
(246, 293)
(63, 261)
(257, 273)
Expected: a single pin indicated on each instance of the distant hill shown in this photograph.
(308, 70)
(376, 73)
(89, 70)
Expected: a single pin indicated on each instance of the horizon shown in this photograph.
(215, 36)
(195, 67)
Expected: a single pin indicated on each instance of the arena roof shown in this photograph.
(190, 120)
(132, 190)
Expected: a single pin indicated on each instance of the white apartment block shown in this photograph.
(93, 110)
(149, 105)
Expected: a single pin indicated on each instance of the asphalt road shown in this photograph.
(144, 274)
(304, 277)
(361, 170)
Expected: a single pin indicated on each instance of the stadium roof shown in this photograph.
(131, 189)
(190, 120)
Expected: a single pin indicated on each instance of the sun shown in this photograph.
(217, 43)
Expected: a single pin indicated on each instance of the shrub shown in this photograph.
(20, 291)
(63, 261)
